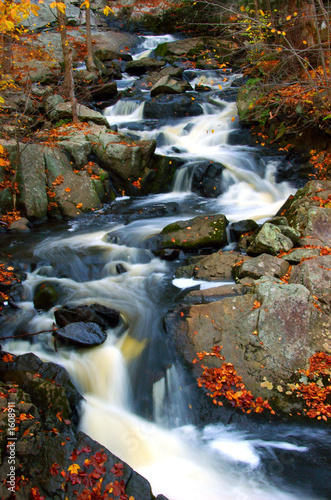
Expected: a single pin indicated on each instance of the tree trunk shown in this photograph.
(6, 54)
(89, 61)
(68, 87)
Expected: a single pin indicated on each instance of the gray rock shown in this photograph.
(81, 334)
(35, 71)
(45, 296)
(78, 149)
(51, 101)
(169, 85)
(21, 224)
(31, 178)
(314, 274)
(94, 313)
(269, 239)
(63, 111)
(214, 267)
(6, 200)
(263, 265)
(296, 255)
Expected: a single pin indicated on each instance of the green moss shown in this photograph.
(171, 228)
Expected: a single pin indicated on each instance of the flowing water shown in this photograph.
(140, 402)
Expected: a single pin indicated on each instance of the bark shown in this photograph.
(68, 87)
(6, 54)
(89, 61)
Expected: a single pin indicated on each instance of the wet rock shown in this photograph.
(207, 179)
(172, 106)
(214, 294)
(263, 265)
(244, 226)
(95, 313)
(269, 239)
(45, 296)
(120, 269)
(193, 234)
(169, 85)
(104, 91)
(21, 225)
(140, 66)
(81, 334)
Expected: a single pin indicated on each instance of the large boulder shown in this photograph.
(207, 179)
(314, 274)
(309, 212)
(269, 239)
(215, 267)
(268, 335)
(193, 234)
(122, 156)
(263, 265)
(31, 178)
(73, 192)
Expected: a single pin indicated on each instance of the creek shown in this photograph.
(140, 401)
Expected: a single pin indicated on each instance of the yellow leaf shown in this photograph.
(74, 468)
(288, 18)
(53, 5)
(295, 14)
(62, 7)
(242, 8)
(107, 10)
(1, 149)
(304, 42)
(283, 33)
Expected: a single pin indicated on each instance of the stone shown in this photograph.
(269, 239)
(169, 85)
(263, 265)
(314, 274)
(22, 224)
(296, 255)
(81, 334)
(140, 66)
(94, 313)
(62, 111)
(45, 296)
(244, 226)
(200, 232)
(172, 106)
(215, 267)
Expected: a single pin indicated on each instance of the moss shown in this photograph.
(171, 228)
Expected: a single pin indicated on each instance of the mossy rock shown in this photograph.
(45, 296)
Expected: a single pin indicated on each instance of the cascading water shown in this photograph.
(137, 399)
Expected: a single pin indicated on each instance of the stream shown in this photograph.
(139, 400)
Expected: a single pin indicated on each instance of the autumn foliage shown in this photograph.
(225, 383)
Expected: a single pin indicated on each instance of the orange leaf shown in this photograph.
(67, 190)
(7, 358)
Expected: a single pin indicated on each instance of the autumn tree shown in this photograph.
(12, 13)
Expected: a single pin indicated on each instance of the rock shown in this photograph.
(6, 200)
(213, 294)
(46, 405)
(74, 192)
(62, 111)
(244, 226)
(51, 101)
(122, 156)
(81, 334)
(105, 54)
(140, 66)
(314, 274)
(214, 267)
(179, 47)
(78, 148)
(207, 179)
(47, 18)
(309, 211)
(267, 335)
(21, 225)
(45, 296)
(31, 178)
(169, 85)
(269, 239)
(296, 255)
(95, 313)
(104, 91)
(193, 234)
(42, 72)
(168, 106)
(263, 265)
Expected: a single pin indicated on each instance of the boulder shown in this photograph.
(104, 91)
(296, 255)
(6, 200)
(47, 17)
(22, 225)
(179, 47)
(172, 106)
(45, 296)
(314, 274)
(169, 85)
(140, 66)
(122, 156)
(263, 265)
(42, 72)
(74, 192)
(31, 178)
(62, 111)
(243, 226)
(268, 335)
(81, 334)
(193, 234)
(215, 267)
(269, 239)
(309, 211)
(94, 313)
(207, 179)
